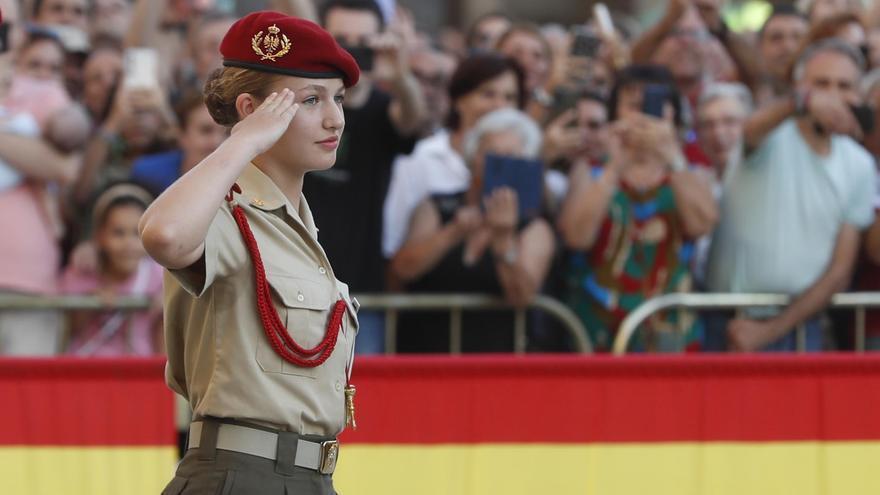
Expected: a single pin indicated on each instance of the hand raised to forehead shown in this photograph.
(262, 128)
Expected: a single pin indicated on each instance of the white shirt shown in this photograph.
(781, 211)
(432, 168)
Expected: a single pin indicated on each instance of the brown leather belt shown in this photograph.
(319, 456)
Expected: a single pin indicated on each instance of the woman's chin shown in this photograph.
(324, 162)
(309, 162)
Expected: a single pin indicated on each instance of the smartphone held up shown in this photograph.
(141, 68)
(654, 100)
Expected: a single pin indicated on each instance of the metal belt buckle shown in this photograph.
(329, 455)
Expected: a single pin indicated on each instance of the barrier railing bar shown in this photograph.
(71, 303)
(455, 331)
(519, 331)
(801, 339)
(390, 331)
(391, 304)
(468, 302)
(724, 301)
(860, 329)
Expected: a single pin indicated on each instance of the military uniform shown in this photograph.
(259, 332)
(219, 357)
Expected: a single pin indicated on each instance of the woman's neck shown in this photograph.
(289, 182)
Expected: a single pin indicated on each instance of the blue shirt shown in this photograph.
(158, 171)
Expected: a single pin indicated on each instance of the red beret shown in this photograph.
(278, 43)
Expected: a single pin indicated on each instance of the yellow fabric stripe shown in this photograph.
(802, 468)
(86, 470)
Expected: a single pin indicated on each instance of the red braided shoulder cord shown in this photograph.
(278, 336)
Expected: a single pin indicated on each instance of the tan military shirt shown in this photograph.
(219, 357)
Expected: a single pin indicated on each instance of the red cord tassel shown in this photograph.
(278, 336)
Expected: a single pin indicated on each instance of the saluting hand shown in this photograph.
(262, 128)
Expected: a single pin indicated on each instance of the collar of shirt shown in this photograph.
(261, 192)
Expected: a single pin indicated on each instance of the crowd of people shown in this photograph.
(596, 164)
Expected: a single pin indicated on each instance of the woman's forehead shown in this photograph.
(297, 84)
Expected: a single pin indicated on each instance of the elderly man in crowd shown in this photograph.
(792, 213)
(721, 115)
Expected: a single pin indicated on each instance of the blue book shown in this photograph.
(523, 175)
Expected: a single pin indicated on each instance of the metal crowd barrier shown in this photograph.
(859, 301)
(72, 303)
(391, 304)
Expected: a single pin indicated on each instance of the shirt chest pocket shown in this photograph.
(303, 307)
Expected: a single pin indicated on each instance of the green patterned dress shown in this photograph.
(640, 252)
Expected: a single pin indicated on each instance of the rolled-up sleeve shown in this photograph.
(223, 255)
(860, 208)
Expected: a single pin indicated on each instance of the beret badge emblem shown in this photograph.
(271, 46)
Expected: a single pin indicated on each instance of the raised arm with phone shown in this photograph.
(635, 216)
(804, 191)
(822, 107)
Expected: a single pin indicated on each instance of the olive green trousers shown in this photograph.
(207, 470)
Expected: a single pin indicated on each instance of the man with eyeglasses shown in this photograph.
(694, 43)
(579, 135)
(347, 200)
(433, 68)
(721, 114)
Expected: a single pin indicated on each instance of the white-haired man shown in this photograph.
(722, 111)
(793, 211)
(721, 114)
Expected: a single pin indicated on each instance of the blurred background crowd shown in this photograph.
(602, 155)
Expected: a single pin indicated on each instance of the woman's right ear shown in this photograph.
(245, 104)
